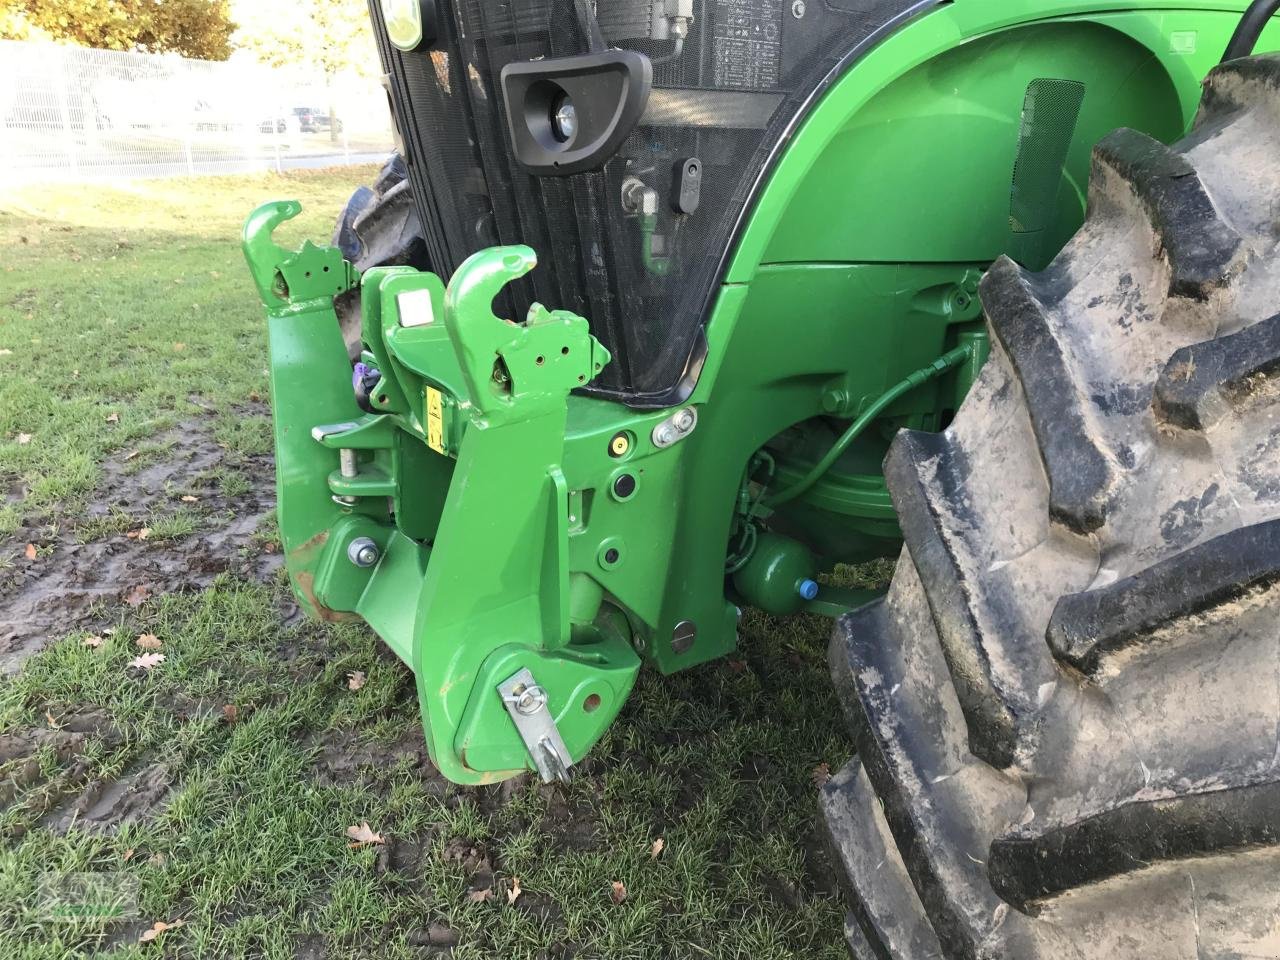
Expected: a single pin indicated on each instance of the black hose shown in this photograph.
(1252, 24)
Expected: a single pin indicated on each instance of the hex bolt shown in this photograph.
(666, 435)
(363, 552)
(683, 635)
(685, 420)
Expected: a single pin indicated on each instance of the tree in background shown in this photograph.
(193, 28)
(333, 36)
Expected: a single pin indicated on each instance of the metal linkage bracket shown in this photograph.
(526, 702)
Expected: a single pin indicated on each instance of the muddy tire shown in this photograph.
(1067, 708)
(379, 227)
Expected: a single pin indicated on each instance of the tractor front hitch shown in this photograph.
(440, 513)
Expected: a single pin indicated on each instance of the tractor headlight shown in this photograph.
(564, 118)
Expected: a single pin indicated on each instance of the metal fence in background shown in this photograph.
(71, 113)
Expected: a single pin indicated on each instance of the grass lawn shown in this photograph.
(213, 791)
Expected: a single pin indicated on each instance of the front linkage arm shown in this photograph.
(441, 514)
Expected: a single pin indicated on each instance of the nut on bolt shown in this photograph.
(363, 552)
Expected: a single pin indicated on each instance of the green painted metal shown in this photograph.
(522, 525)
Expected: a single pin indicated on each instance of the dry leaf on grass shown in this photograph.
(230, 713)
(821, 774)
(147, 660)
(127, 855)
(355, 680)
(188, 498)
(480, 896)
(24, 438)
(659, 845)
(113, 418)
(53, 721)
(158, 928)
(617, 891)
(513, 891)
(137, 594)
(362, 835)
(140, 534)
(94, 642)
(148, 641)
(30, 552)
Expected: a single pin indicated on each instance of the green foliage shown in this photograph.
(194, 28)
(334, 36)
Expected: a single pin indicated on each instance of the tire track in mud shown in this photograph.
(78, 584)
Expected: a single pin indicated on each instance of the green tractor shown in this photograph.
(669, 306)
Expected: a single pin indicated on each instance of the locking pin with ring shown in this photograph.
(527, 704)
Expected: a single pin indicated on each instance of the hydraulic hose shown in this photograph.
(947, 361)
(1252, 24)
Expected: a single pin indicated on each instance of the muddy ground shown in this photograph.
(80, 576)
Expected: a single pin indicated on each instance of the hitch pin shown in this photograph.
(526, 704)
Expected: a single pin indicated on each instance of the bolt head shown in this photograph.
(685, 420)
(363, 552)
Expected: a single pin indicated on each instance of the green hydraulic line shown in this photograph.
(947, 361)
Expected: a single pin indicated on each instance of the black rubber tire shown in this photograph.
(379, 227)
(1067, 709)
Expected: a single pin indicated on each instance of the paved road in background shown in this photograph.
(118, 171)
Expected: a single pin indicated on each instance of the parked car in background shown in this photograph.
(315, 119)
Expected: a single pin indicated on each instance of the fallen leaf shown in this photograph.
(148, 641)
(132, 454)
(92, 641)
(617, 891)
(188, 498)
(821, 774)
(255, 396)
(146, 661)
(361, 835)
(140, 534)
(113, 418)
(24, 438)
(30, 552)
(127, 855)
(158, 928)
(230, 713)
(156, 859)
(53, 721)
(513, 891)
(355, 680)
(179, 347)
(480, 896)
(737, 666)
(659, 845)
(137, 594)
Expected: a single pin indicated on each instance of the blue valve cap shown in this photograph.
(808, 589)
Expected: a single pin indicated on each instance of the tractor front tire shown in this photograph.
(1067, 709)
(378, 227)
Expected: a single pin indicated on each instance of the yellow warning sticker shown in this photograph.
(435, 420)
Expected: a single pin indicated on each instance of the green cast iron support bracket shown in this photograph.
(297, 289)
(484, 594)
